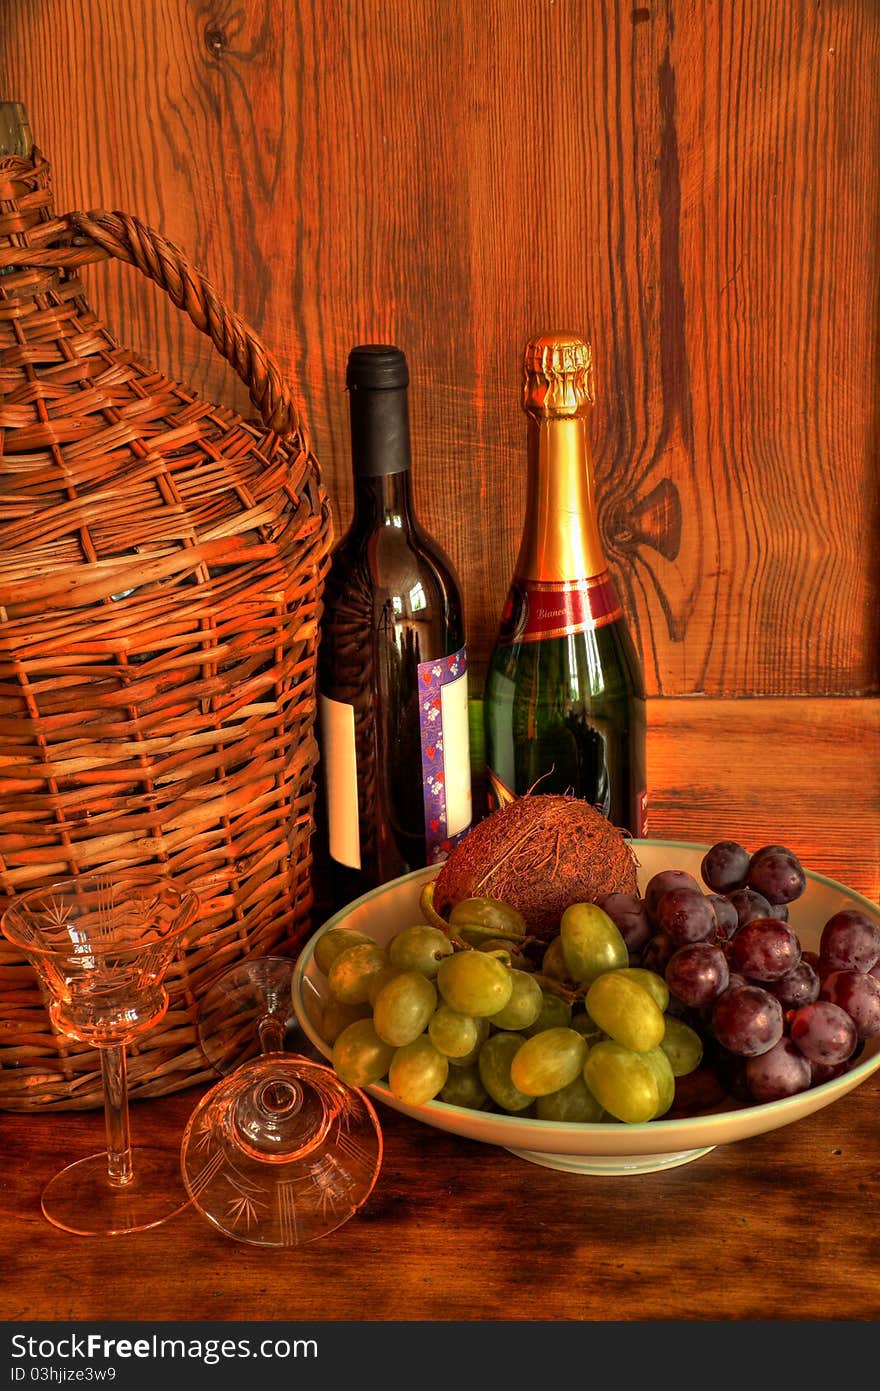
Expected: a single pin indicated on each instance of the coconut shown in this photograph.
(539, 853)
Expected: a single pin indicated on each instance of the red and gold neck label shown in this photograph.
(537, 609)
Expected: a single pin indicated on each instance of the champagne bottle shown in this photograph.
(564, 701)
(392, 665)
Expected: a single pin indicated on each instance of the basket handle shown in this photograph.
(130, 240)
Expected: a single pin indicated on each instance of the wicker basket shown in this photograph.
(161, 567)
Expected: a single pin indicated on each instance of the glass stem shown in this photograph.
(113, 1069)
(271, 1034)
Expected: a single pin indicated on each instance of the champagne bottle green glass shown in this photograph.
(564, 700)
(392, 664)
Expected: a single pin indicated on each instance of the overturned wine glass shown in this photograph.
(280, 1152)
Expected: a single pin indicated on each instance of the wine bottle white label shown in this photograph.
(446, 760)
(340, 780)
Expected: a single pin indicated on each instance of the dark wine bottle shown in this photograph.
(392, 666)
(564, 702)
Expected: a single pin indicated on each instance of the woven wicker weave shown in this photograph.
(161, 566)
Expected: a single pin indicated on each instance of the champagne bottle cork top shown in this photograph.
(558, 375)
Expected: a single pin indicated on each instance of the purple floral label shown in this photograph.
(446, 768)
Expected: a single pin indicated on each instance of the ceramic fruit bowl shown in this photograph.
(612, 1148)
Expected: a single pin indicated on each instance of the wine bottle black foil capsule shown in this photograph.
(564, 702)
(392, 664)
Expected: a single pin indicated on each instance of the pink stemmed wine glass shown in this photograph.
(100, 947)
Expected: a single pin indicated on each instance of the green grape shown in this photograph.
(419, 948)
(665, 1079)
(483, 1030)
(591, 942)
(474, 983)
(464, 1088)
(574, 1102)
(655, 985)
(495, 1058)
(547, 1061)
(403, 1007)
(524, 1005)
(453, 1034)
(417, 1072)
(625, 1011)
(335, 1016)
(480, 935)
(379, 979)
(623, 1082)
(502, 918)
(331, 943)
(554, 1012)
(504, 948)
(682, 1046)
(351, 971)
(553, 963)
(587, 1027)
(359, 1055)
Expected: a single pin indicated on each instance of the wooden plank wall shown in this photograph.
(692, 183)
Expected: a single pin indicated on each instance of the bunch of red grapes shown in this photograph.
(778, 1019)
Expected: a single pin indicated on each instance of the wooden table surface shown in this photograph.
(779, 1227)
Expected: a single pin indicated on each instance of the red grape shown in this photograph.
(850, 941)
(747, 1020)
(825, 1072)
(799, 986)
(658, 951)
(823, 1032)
(776, 873)
(725, 866)
(781, 1071)
(750, 904)
(764, 949)
(664, 880)
(630, 915)
(775, 1019)
(697, 973)
(859, 994)
(685, 915)
(697, 1091)
(726, 916)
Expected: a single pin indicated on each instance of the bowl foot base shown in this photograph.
(610, 1165)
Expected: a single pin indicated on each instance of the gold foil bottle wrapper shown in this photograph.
(558, 375)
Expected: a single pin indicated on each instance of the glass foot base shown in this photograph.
(81, 1200)
(281, 1153)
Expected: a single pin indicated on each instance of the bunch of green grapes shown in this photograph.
(464, 1013)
